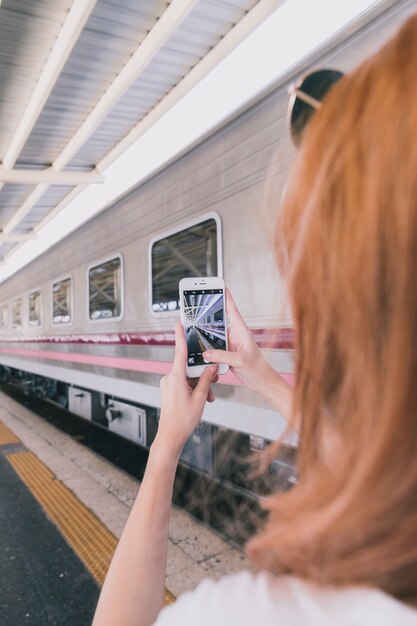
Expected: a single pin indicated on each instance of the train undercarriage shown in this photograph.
(229, 458)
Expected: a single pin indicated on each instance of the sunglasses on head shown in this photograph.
(306, 97)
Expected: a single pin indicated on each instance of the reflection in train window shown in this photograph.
(17, 313)
(104, 289)
(4, 315)
(62, 302)
(35, 308)
(189, 252)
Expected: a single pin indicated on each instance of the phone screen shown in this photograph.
(204, 322)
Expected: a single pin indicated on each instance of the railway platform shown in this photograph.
(63, 508)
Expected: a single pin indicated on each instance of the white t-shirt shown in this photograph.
(247, 599)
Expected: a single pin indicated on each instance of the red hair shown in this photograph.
(347, 246)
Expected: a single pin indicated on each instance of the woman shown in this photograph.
(341, 546)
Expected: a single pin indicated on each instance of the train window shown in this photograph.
(218, 315)
(35, 306)
(17, 313)
(62, 301)
(105, 290)
(4, 315)
(191, 251)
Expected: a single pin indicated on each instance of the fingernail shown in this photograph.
(213, 369)
(206, 353)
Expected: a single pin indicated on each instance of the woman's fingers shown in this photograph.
(193, 382)
(201, 392)
(232, 359)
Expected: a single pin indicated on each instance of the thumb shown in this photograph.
(232, 359)
(180, 359)
(203, 386)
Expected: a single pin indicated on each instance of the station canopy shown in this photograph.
(85, 83)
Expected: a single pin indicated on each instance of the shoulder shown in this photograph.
(236, 600)
(246, 598)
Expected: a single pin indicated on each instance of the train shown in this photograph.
(90, 324)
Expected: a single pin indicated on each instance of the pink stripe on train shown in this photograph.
(121, 363)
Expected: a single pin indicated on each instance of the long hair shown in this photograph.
(346, 243)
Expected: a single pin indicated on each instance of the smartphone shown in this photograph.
(203, 314)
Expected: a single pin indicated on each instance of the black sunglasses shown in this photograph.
(306, 96)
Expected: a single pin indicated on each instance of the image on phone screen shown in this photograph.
(204, 322)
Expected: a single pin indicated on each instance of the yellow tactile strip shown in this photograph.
(87, 536)
(93, 543)
(6, 436)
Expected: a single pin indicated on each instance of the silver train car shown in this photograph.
(90, 323)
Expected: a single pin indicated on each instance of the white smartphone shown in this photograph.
(203, 314)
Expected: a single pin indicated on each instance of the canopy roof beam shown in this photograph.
(17, 237)
(50, 176)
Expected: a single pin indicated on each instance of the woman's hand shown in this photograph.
(182, 399)
(244, 356)
(247, 362)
